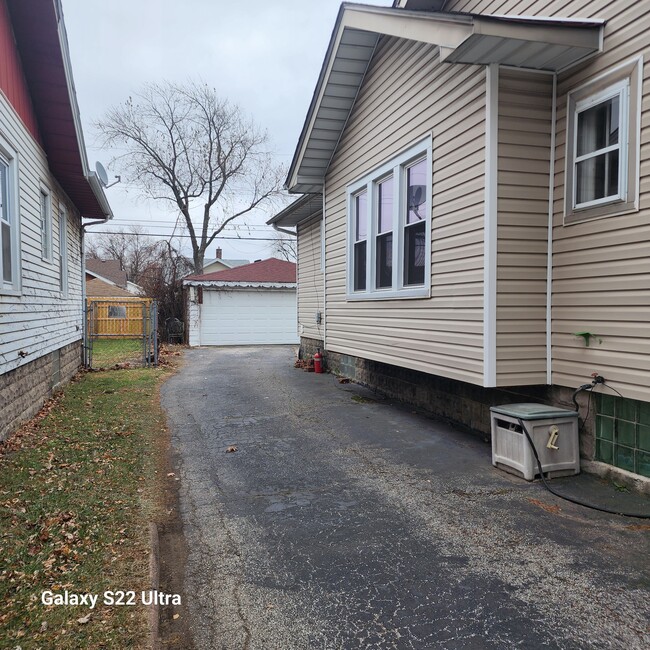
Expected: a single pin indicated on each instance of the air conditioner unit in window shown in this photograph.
(554, 433)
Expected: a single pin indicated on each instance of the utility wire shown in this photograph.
(152, 234)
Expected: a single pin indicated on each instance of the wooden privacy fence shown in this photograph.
(119, 317)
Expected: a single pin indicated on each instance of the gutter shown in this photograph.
(284, 230)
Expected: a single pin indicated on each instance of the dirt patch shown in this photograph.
(174, 623)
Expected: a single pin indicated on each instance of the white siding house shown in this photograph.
(46, 191)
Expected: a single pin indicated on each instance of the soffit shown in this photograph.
(307, 206)
(544, 44)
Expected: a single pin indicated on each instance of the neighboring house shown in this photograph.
(99, 287)
(46, 190)
(252, 304)
(106, 278)
(485, 187)
(219, 264)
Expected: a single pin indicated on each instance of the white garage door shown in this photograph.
(248, 317)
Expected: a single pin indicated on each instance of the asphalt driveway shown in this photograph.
(342, 521)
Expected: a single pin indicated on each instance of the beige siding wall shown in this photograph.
(310, 279)
(40, 319)
(525, 122)
(601, 273)
(406, 95)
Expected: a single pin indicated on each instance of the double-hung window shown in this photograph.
(9, 236)
(389, 228)
(602, 145)
(46, 224)
(63, 251)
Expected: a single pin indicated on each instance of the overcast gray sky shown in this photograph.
(264, 55)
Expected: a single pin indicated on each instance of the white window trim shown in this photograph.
(626, 80)
(47, 248)
(63, 250)
(622, 91)
(397, 168)
(10, 157)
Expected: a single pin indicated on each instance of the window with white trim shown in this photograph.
(9, 239)
(389, 228)
(602, 145)
(46, 224)
(63, 251)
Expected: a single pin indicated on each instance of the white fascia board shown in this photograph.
(101, 277)
(93, 181)
(213, 284)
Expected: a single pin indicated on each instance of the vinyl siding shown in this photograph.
(406, 96)
(601, 268)
(40, 319)
(310, 279)
(524, 155)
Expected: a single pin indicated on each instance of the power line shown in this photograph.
(151, 234)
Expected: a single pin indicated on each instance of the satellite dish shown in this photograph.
(101, 172)
(103, 175)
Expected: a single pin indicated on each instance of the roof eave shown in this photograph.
(462, 38)
(304, 208)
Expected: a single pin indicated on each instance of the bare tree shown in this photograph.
(285, 246)
(135, 250)
(184, 145)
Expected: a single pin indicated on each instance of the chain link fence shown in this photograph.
(121, 332)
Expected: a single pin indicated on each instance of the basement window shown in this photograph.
(389, 228)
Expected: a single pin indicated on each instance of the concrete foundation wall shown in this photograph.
(23, 391)
(461, 403)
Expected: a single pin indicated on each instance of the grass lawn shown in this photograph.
(108, 352)
(78, 486)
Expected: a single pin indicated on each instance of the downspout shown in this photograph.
(324, 267)
(490, 227)
(549, 249)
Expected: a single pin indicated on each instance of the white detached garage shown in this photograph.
(253, 304)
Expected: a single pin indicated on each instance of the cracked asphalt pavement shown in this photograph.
(345, 521)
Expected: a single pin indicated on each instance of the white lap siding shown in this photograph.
(406, 95)
(40, 319)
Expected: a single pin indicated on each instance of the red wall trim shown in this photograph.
(12, 78)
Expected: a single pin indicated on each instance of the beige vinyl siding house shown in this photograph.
(523, 250)
(441, 334)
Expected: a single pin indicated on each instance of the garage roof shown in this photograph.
(271, 271)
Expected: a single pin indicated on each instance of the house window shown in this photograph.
(117, 311)
(63, 251)
(9, 242)
(46, 225)
(389, 228)
(602, 146)
(360, 240)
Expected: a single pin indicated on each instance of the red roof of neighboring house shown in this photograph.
(271, 270)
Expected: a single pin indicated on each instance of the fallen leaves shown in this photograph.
(231, 449)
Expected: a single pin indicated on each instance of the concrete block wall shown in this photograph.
(465, 405)
(309, 347)
(23, 391)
